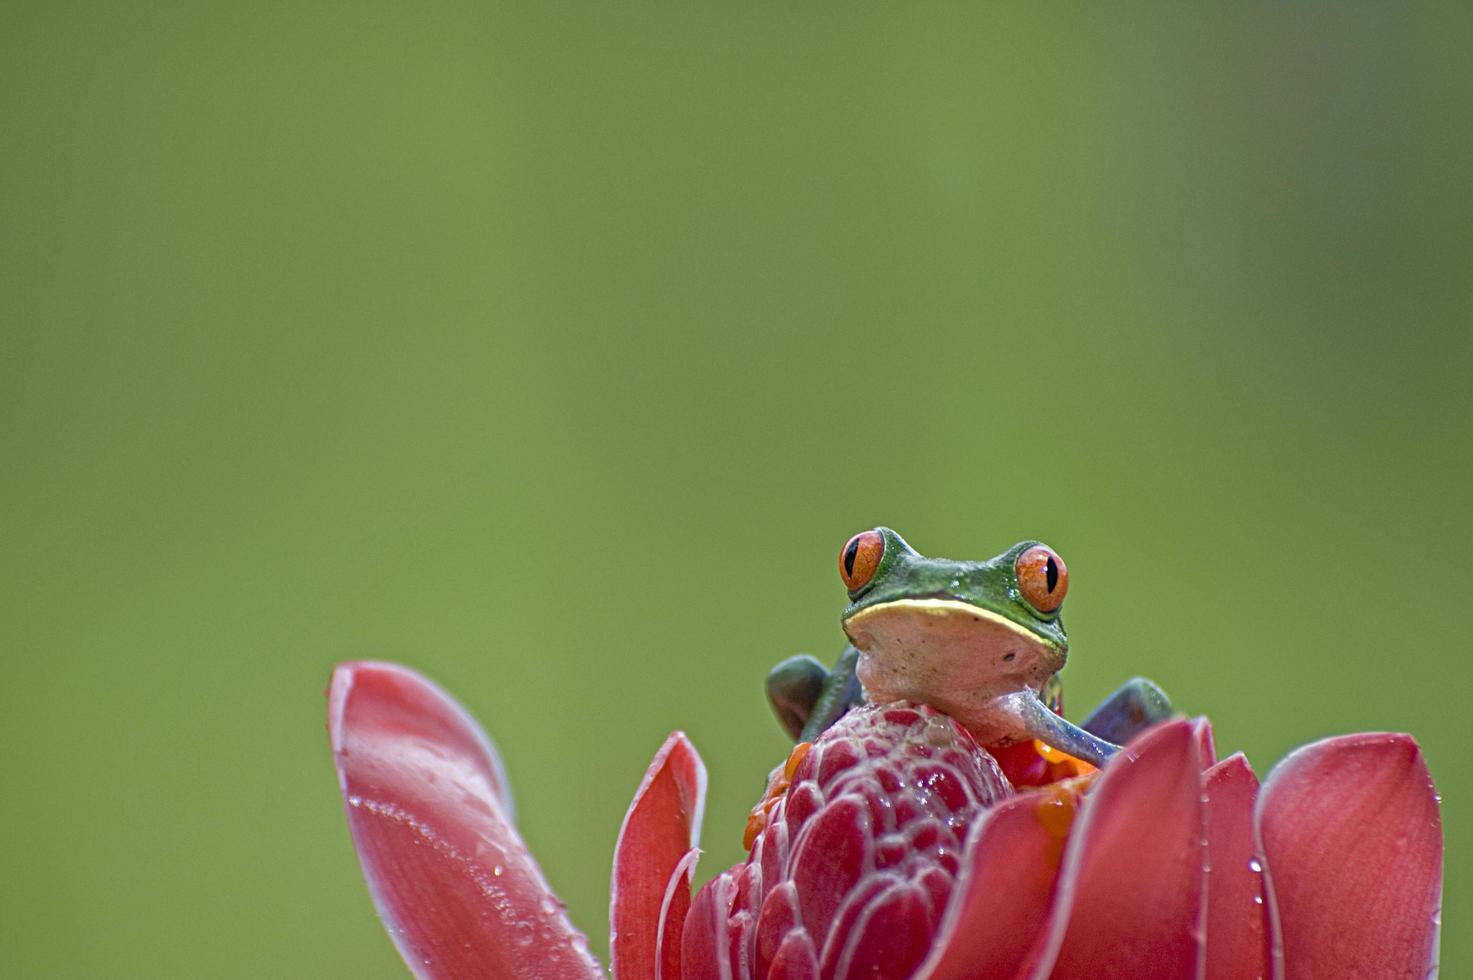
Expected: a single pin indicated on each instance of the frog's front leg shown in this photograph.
(1136, 706)
(807, 697)
(1051, 729)
(793, 688)
(841, 691)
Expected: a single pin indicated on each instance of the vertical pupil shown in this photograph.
(851, 553)
(1052, 571)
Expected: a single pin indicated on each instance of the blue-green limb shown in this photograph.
(1135, 706)
(807, 697)
(1053, 730)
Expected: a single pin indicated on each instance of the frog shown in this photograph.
(980, 641)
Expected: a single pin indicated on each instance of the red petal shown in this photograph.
(1021, 763)
(833, 855)
(661, 826)
(1205, 746)
(875, 947)
(1130, 896)
(673, 910)
(427, 808)
(795, 958)
(1351, 830)
(1002, 895)
(1236, 940)
(705, 954)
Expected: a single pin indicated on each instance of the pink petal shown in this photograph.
(834, 853)
(673, 911)
(870, 948)
(1205, 746)
(1353, 839)
(1236, 939)
(427, 808)
(795, 959)
(662, 825)
(1001, 900)
(1130, 895)
(705, 954)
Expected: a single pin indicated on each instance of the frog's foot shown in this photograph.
(841, 691)
(1136, 706)
(793, 688)
(1050, 729)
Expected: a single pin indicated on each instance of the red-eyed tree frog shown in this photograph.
(979, 640)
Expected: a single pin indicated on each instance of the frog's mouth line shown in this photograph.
(945, 608)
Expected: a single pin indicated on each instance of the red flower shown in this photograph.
(896, 848)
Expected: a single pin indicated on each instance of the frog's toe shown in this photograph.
(793, 688)
(1135, 706)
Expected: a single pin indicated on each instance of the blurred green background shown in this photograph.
(555, 349)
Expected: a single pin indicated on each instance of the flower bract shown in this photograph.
(895, 847)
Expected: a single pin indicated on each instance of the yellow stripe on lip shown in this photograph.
(944, 607)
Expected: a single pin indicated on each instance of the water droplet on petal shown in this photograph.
(1255, 867)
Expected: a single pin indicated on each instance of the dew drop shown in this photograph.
(1255, 867)
(497, 871)
(355, 800)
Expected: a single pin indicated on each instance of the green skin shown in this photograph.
(959, 636)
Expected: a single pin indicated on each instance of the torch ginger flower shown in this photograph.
(896, 847)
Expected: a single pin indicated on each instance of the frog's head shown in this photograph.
(929, 626)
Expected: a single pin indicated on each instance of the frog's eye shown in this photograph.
(1042, 578)
(860, 559)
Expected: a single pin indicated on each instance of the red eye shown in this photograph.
(1042, 578)
(860, 559)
